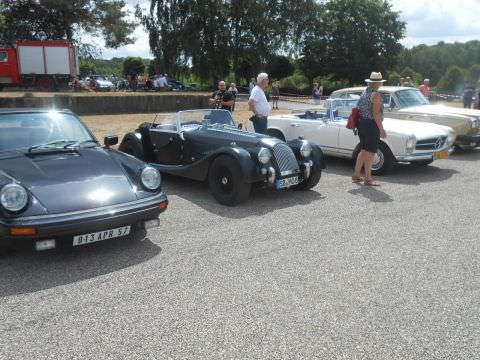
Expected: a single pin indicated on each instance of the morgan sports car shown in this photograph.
(206, 145)
(60, 188)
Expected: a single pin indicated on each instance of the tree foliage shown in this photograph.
(66, 19)
(434, 61)
(133, 66)
(219, 36)
(453, 81)
(279, 67)
(351, 39)
(87, 67)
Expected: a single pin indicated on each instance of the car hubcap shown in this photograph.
(378, 160)
(224, 180)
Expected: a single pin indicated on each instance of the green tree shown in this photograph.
(453, 81)
(87, 67)
(279, 67)
(66, 19)
(412, 74)
(133, 66)
(473, 74)
(353, 38)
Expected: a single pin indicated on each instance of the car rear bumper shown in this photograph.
(63, 227)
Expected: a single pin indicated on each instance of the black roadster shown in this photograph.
(59, 187)
(206, 145)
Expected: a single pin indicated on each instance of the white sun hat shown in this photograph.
(375, 77)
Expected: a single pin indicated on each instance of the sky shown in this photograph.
(428, 22)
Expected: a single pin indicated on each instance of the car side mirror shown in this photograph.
(110, 140)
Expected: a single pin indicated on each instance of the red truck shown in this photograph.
(44, 65)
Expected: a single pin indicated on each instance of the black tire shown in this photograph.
(315, 175)
(226, 181)
(383, 161)
(422, 163)
(128, 148)
(276, 134)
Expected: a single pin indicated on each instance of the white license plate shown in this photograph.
(101, 235)
(284, 183)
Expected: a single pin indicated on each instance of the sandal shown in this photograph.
(371, 183)
(357, 179)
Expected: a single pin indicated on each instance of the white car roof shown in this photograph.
(389, 89)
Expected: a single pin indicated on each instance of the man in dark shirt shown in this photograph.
(222, 99)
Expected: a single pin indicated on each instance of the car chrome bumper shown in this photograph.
(468, 140)
(421, 156)
(62, 227)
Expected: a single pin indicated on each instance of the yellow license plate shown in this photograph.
(441, 155)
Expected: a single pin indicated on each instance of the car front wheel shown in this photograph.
(226, 181)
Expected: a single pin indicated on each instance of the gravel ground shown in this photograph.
(342, 271)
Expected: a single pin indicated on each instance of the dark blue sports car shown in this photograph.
(59, 187)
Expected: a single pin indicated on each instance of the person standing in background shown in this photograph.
(316, 94)
(275, 94)
(234, 91)
(221, 99)
(251, 85)
(425, 88)
(467, 97)
(258, 104)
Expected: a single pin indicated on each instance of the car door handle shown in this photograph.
(295, 125)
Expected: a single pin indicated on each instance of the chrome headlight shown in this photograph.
(13, 197)
(306, 149)
(264, 155)
(410, 145)
(475, 123)
(450, 139)
(150, 178)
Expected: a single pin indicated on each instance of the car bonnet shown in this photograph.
(70, 181)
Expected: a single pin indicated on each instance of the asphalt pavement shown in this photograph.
(342, 271)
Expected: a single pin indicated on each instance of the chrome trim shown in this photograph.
(308, 169)
(112, 209)
(271, 175)
(288, 172)
(419, 157)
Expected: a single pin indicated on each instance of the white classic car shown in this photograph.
(407, 141)
(406, 103)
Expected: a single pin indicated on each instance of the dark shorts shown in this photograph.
(369, 135)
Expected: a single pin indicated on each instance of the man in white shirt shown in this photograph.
(258, 104)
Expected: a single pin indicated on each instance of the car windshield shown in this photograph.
(100, 77)
(52, 129)
(410, 97)
(215, 118)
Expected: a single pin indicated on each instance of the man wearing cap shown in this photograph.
(425, 88)
(258, 104)
(370, 129)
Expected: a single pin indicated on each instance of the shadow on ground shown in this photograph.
(405, 174)
(25, 272)
(260, 202)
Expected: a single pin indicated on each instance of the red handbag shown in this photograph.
(353, 119)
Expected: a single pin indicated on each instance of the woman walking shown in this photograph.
(370, 129)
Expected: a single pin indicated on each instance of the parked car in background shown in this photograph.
(206, 145)
(405, 103)
(101, 83)
(195, 86)
(60, 188)
(407, 141)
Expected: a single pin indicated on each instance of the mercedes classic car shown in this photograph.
(207, 145)
(406, 103)
(407, 141)
(60, 188)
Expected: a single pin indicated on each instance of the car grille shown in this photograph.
(432, 143)
(285, 158)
